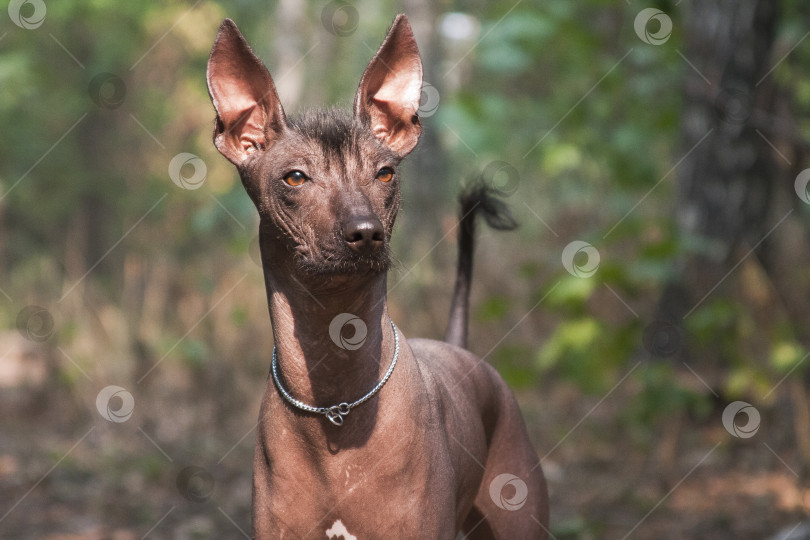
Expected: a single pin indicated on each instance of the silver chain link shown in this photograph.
(335, 413)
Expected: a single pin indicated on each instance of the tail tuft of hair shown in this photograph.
(486, 200)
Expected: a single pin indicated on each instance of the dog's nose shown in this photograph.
(363, 233)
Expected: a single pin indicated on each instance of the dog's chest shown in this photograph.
(370, 492)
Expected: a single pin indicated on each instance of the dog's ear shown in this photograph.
(249, 113)
(388, 97)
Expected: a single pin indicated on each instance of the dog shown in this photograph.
(363, 433)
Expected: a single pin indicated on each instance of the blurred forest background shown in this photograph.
(650, 313)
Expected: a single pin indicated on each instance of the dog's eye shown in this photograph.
(385, 174)
(295, 178)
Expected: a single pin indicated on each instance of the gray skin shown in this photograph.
(418, 459)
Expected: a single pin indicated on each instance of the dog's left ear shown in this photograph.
(388, 97)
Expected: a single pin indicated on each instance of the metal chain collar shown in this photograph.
(335, 413)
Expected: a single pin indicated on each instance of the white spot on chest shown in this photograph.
(338, 530)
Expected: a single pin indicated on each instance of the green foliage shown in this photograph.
(239, 316)
(494, 308)
(563, 91)
(515, 365)
(714, 326)
(748, 379)
(786, 355)
(587, 352)
(193, 352)
(570, 294)
(559, 96)
(573, 528)
(660, 395)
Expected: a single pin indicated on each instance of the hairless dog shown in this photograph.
(363, 433)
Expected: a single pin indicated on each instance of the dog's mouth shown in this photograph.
(332, 255)
(343, 262)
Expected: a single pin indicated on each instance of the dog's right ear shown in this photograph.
(249, 113)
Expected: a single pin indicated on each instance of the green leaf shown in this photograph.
(785, 355)
(494, 308)
(571, 291)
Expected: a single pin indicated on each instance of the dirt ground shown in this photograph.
(66, 473)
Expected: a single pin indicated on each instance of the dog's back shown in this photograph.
(511, 497)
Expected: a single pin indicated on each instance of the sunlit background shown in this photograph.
(650, 312)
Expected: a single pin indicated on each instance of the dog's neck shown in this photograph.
(327, 191)
(313, 367)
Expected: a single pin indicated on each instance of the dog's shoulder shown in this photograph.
(455, 367)
(431, 350)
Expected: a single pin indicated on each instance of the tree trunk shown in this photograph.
(427, 166)
(725, 182)
(288, 48)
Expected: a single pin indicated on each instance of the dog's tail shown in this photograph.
(483, 198)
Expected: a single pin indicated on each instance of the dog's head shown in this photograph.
(325, 183)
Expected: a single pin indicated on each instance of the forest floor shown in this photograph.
(64, 479)
(692, 480)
